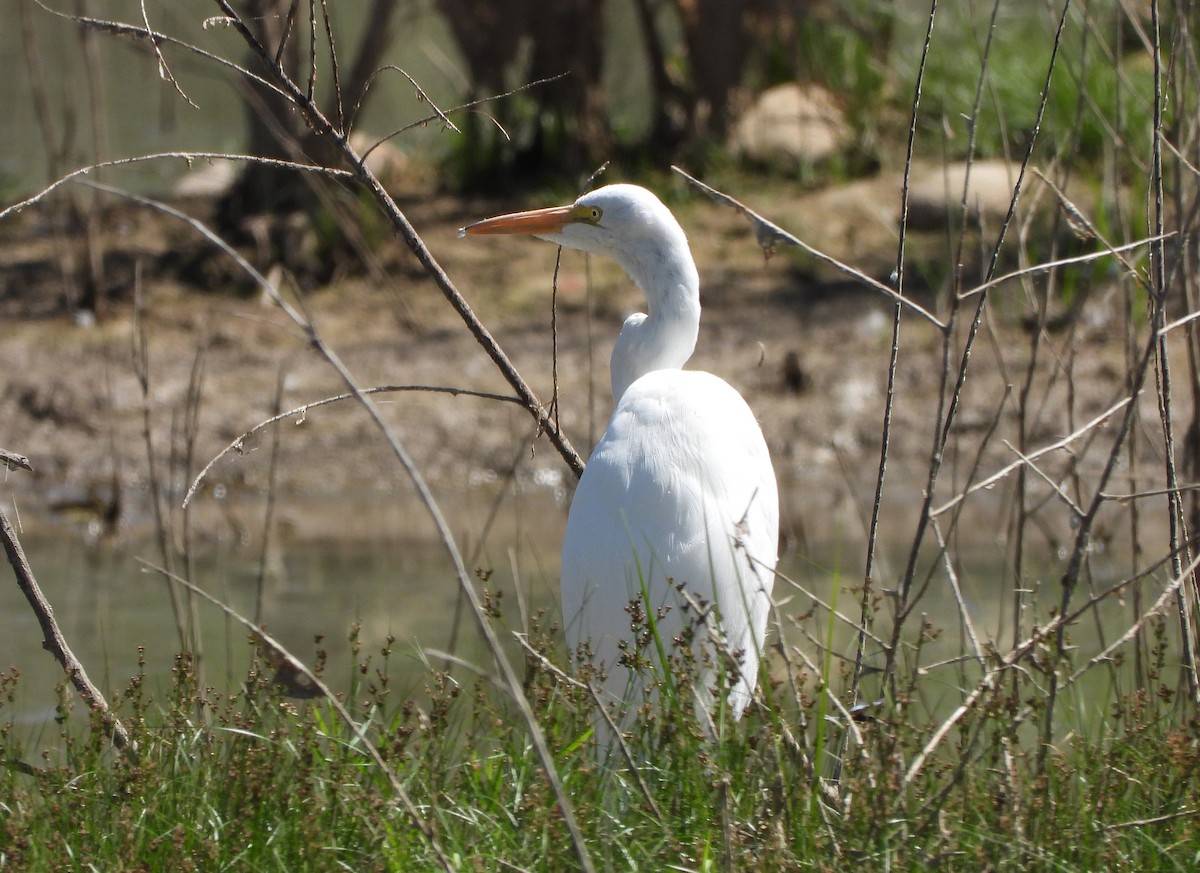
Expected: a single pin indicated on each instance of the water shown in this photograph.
(109, 603)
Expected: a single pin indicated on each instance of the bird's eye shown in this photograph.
(586, 214)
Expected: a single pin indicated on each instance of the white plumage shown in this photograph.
(679, 492)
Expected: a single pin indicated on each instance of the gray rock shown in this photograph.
(791, 126)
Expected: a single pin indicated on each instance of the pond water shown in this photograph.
(110, 604)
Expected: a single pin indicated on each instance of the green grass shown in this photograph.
(252, 780)
(1099, 93)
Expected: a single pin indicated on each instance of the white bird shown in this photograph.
(680, 491)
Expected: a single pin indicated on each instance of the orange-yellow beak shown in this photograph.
(550, 220)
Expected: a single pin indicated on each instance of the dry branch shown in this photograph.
(238, 443)
(1032, 456)
(56, 644)
(768, 234)
(185, 156)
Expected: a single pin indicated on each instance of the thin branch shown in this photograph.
(238, 443)
(1048, 266)
(163, 69)
(1153, 820)
(1153, 492)
(1045, 477)
(1032, 456)
(462, 107)
(889, 404)
(158, 156)
(626, 752)
(956, 589)
(422, 97)
(845, 619)
(412, 239)
(56, 644)
(1169, 592)
(1039, 636)
(767, 234)
(120, 28)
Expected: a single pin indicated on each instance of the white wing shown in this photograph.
(679, 491)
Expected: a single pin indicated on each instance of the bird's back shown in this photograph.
(679, 492)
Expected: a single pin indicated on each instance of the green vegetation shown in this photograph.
(1101, 83)
(253, 780)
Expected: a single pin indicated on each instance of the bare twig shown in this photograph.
(438, 114)
(1169, 592)
(404, 228)
(269, 511)
(1153, 820)
(956, 589)
(1033, 456)
(238, 444)
(949, 403)
(768, 234)
(162, 517)
(296, 96)
(1040, 636)
(1158, 295)
(164, 69)
(159, 156)
(120, 28)
(844, 619)
(1048, 266)
(1045, 477)
(889, 404)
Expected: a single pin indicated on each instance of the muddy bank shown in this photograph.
(809, 351)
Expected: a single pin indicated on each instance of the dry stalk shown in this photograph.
(295, 95)
(768, 235)
(187, 157)
(162, 516)
(1159, 289)
(269, 511)
(1057, 445)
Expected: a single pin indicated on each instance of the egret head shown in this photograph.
(624, 222)
(631, 226)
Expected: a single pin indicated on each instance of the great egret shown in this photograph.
(679, 494)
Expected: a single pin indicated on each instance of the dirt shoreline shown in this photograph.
(809, 352)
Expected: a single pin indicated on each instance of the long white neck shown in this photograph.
(664, 337)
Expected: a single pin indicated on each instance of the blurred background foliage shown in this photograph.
(651, 82)
(812, 91)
